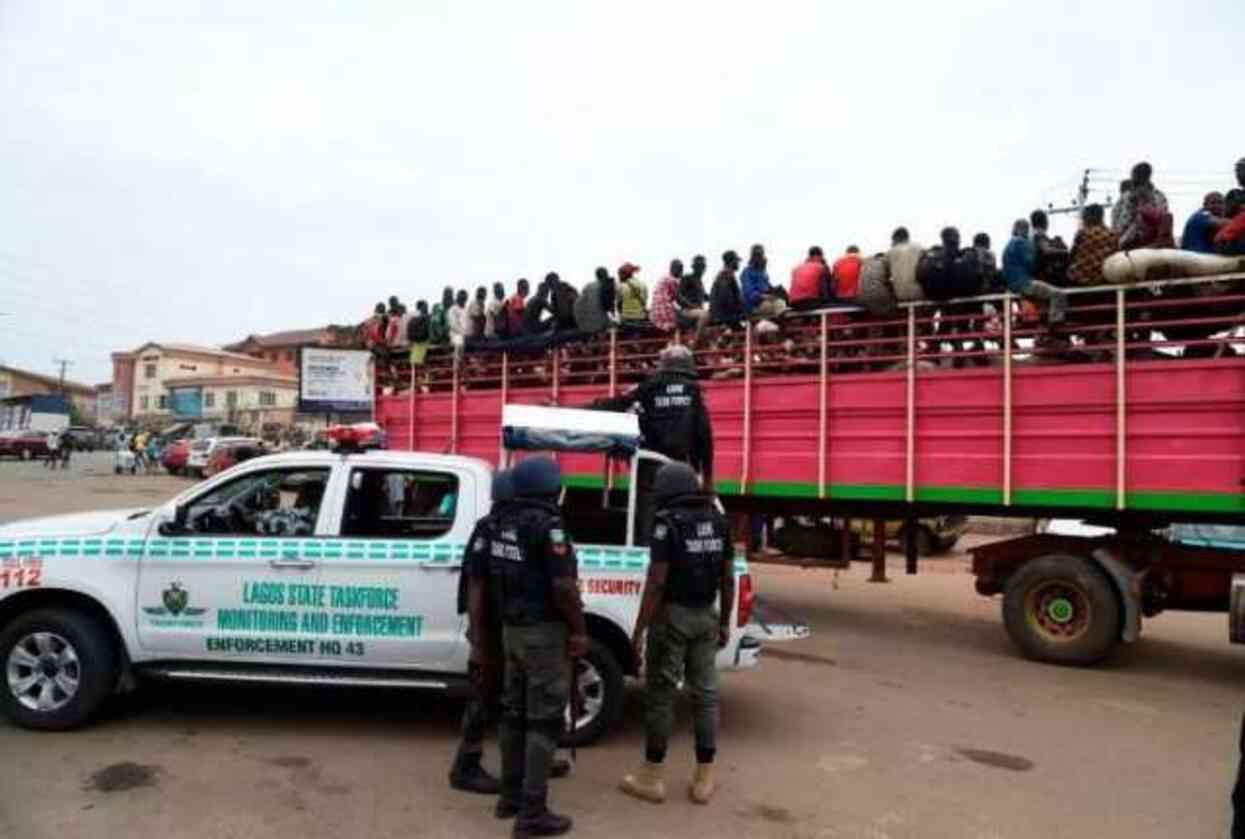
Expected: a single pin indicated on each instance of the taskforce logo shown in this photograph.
(176, 610)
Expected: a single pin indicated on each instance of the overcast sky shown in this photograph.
(199, 171)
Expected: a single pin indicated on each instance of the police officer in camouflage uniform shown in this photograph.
(531, 580)
(673, 421)
(485, 668)
(691, 568)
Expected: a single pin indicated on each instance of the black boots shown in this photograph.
(467, 775)
(535, 819)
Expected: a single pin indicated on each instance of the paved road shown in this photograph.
(907, 714)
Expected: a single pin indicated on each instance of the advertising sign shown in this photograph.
(334, 381)
(187, 401)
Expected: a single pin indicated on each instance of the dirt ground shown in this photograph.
(906, 714)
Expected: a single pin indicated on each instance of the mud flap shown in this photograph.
(1128, 583)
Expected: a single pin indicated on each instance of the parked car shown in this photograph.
(229, 454)
(24, 444)
(201, 452)
(176, 456)
(933, 536)
(83, 437)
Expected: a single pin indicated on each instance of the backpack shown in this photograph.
(417, 331)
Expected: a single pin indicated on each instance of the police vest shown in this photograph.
(519, 578)
(699, 539)
(668, 406)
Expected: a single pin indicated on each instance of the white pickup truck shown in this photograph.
(307, 568)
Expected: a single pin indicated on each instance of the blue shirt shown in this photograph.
(755, 286)
(1199, 233)
(1019, 262)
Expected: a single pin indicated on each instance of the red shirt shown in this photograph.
(1232, 231)
(806, 280)
(514, 315)
(374, 332)
(847, 276)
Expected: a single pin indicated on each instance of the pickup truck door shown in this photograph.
(393, 586)
(226, 585)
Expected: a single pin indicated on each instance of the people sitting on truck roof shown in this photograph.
(495, 312)
(1019, 262)
(1093, 243)
(846, 274)
(726, 303)
(761, 298)
(632, 296)
(562, 297)
(664, 312)
(516, 305)
(1145, 221)
(457, 320)
(692, 294)
(1240, 173)
(903, 258)
(477, 315)
(592, 314)
(1199, 231)
(811, 283)
(1230, 240)
(439, 325)
(374, 328)
(417, 334)
(1050, 251)
(537, 306)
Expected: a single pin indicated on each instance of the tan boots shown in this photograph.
(646, 783)
(703, 785)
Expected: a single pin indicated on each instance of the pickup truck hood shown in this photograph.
(75, 524)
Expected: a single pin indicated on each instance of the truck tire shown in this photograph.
(1063, 610)
(58, 667)
(600, 680)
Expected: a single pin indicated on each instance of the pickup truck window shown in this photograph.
(400, 504)
(274, 502)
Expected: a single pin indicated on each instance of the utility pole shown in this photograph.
(64, 365)
(1080, 200)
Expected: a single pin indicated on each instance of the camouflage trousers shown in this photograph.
(537, 685)
(682, 645)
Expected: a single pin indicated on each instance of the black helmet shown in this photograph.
(503, 486)
(537, 477)
(678, 358)
(673, 480)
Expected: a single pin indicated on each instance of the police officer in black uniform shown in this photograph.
(673, 422)
(531, 583)
(686, 609)
(485, 669)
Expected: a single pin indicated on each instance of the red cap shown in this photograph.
(627, 269)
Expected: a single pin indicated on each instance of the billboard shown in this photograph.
(187, 401)
(334, 381)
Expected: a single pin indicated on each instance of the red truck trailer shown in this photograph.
(1133, 415)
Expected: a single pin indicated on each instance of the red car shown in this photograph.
(227, 455)
(175, 456)
(24, 444)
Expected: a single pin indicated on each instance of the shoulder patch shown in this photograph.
(660, 532)
(557, 536)
(479, 544)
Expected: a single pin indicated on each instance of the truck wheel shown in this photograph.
(599, 678)
(59, 667)
(1062, 609)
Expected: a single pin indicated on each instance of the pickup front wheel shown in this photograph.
(599, 680)
(59, 666)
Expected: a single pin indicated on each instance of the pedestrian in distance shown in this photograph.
(531, 582)
(54, 455)
(685, 610)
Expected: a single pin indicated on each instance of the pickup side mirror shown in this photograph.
(177, 525)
